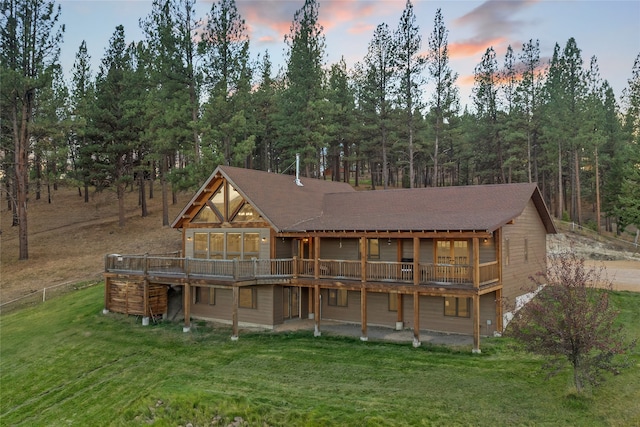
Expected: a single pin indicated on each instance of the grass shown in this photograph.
(65, 363)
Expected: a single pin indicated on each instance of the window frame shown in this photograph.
(252, 299)
(457, 307)
(338, 298)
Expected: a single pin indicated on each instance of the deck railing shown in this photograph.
(397, 272)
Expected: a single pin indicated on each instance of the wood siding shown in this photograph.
(431, 313)
(262, 316)
(515, 275)
(128, 297)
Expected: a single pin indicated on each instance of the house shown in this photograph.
(260, 249)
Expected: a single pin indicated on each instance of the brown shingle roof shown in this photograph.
(478, 207)
(329, 206)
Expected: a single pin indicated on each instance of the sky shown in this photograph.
(608, 30)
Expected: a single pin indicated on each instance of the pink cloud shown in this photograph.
(474, 47)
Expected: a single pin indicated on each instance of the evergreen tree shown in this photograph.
(485, 96)
(225, 45)
(29, 49)
(529, 99)
(340, 119)
(410, 65)
(172, 105)
(82, 98)
(376, 84)
(265, 106)
(112, 123)
(300, 124)
(628, 208)
(444, 99)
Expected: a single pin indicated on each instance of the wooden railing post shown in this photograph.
(363, 259)
(416, 260)
(236, 268)
(476, 262)
(295, 267)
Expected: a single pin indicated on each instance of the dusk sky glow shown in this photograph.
(610, 30)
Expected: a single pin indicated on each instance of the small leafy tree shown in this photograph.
(571, 321)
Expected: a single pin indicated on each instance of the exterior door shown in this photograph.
(452, 257)
(291, 301)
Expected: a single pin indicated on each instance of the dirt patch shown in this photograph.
(68, 238)
(622, 268)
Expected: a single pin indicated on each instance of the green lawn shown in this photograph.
(65, 363)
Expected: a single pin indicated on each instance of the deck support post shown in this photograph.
(476, 323)
(499, 311)
(416, 261)
(234, 313)
(186, 301)
(107, 287)
(316, 296)
(363, 259)
(363, 313)
(400, 319)
(145, 302)
(476, 262)
(416, 319)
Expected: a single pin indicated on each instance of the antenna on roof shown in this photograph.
(297, 181)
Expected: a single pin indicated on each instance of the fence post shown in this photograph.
(44, 293)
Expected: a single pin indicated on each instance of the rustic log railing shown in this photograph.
(397, 272)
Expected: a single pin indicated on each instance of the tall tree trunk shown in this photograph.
(164, 190)
(22, 176)
(578, 198)
(143, 197)
(560, 199)
(597, 191)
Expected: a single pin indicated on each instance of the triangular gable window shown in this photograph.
(247, 214)
(206, 215)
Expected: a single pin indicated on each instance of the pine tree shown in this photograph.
(376, 85)
(301, 128)
(409, 64)
(225, 46)
(444, 99)
(82, 98)
(29, 49)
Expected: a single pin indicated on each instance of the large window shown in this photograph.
(457, 307)
(248, 298)
(337, 297)
(231, 245)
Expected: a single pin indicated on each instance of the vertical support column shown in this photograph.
(498, 243)
(363, 259)
(416, 319)
(363, 313)
(316, 291)
(234, 313)
(400, 319)
(476, 262)
(416, 260)
(186, 301)
(499, 311)
(476, 324)
(316, 257)
(145, 302)
(107, 288)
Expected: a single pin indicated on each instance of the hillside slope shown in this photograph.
(69, 238)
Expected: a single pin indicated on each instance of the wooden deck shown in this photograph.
(262, 270)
